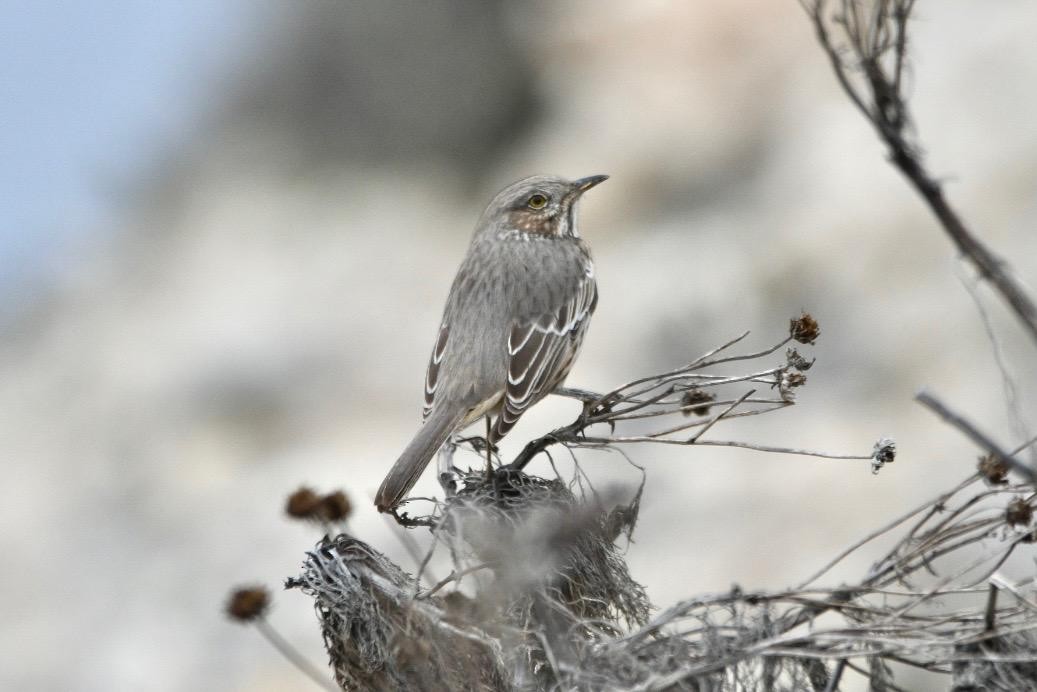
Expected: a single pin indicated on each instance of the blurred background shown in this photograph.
(227, 231)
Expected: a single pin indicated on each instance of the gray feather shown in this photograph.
(405, 472)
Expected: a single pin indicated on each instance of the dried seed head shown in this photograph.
(247, 603)
(804, 329)
(1018, 512)
(787, 381)
(993, 469)
(795, 379)
(696, 401)
(302, 504)
(884, 452)
(796, 361)
(335, 507)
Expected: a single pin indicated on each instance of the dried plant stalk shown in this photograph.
(867, 42)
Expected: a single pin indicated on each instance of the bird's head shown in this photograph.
(540, 205)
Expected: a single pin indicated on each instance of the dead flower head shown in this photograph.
(796, 361)
(335, 507)
(696, 401)
(795, 379)
(884, 452)
(247, 603)
(332, 508)
(804, 329)
(302, 504)
(1018, 512)
(993, 469)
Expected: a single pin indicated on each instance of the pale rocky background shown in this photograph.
(254, 306)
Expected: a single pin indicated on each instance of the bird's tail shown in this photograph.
(405, 472)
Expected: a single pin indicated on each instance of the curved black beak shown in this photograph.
(584, 184)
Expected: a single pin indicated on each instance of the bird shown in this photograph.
(514, 321)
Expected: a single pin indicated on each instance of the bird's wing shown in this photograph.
(541, 351)
(432, 374)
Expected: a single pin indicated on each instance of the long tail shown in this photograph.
(405, 472)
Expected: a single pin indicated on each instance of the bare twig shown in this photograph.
(682, 392)
(412, 548)
(454, 576)
(289, 652)
(970, 430)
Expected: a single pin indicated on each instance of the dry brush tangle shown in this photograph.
(549, 603)
(540, 598)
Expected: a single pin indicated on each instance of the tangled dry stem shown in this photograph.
(554, 606)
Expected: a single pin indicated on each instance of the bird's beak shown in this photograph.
(584, 184)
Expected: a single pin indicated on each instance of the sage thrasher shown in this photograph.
(514, 320)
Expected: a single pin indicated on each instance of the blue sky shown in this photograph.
(89, 92)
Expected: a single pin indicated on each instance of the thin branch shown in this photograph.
(412, 548)
(695, 438)
(294, 657)
(883, 530)
(455, 575)
(679, 391)
(970, 431)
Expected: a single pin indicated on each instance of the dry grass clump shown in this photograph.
(547, 603)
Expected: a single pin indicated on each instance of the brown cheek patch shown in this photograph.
(530, 222)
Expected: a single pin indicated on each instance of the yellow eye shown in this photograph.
(537, 201)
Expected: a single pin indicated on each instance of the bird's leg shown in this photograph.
(489, 452)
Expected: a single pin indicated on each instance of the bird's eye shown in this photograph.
(537, 201)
